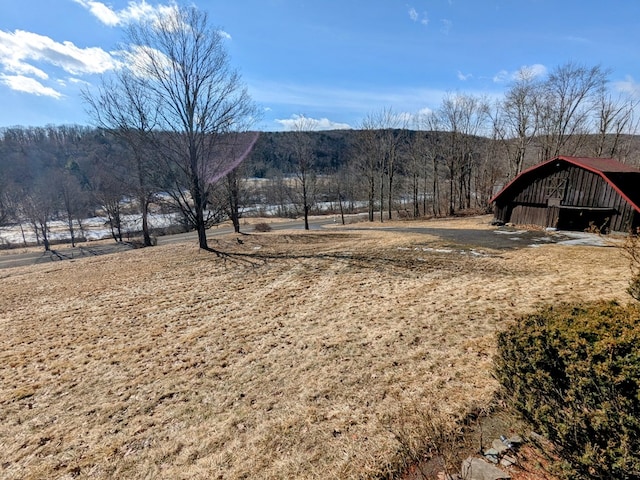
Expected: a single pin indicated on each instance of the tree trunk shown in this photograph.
(200, 225)
(305, 201)
(390, 193)
(416, 202)
(234, 200)
(45, 237)
(71, 230)
(382, 195)
(372, 196)
(145, 222)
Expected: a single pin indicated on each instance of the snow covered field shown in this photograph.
(94, 228)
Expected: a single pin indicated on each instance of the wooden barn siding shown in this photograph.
(583, 189)
(529, 215)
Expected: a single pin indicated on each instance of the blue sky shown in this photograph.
(333, 61)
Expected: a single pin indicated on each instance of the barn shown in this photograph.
(573, 193)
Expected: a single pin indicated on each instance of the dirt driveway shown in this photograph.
(476, 233)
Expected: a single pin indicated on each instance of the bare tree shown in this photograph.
(72, 199)
(422, 164)
(515, 121)
(180, 69)
(124, 107)
(304, 159)
(38, 207)
(383, 135)
(614, 119)
(367, 162)
(463, 117)
(233, 186)
(566, 106)
(231, 194)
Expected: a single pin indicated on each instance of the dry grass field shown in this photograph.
(323, 354)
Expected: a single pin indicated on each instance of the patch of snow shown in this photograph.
(437, 250)
(507, 232)
(586, 239)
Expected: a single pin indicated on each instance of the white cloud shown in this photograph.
(20, 48)
(416, 17)
(446, 26)
(135, 11)
(24, 57)
(102, 12)
(526, 71)
(78, 81)
(536, 70)
(20, 83)
(312, 123)
(464, 76)
(351, 105)
(628, 86)
(502, 76)
(309, 97)
(20, 68)
(141, 60)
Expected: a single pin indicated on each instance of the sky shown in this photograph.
(335, 62)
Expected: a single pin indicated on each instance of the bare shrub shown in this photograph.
(262, 227)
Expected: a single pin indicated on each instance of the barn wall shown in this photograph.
(556, 191)
(529, 215)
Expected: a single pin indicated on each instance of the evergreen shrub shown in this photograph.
(573, 371)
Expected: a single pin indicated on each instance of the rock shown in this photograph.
(478, 469)
(536, 437)
(499, 446)
(508, 460)
(491, 454)
(515, 440)
(446, 476)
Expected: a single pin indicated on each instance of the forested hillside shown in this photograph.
(71, 173)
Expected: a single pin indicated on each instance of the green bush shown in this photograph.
(574, 374)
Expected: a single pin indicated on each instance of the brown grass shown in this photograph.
(309, 355)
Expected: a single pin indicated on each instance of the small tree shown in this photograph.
(304, 158)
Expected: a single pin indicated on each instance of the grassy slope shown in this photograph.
(316, 355)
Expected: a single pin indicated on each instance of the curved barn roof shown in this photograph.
(624, 179)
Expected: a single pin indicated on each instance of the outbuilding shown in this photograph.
(573, 193)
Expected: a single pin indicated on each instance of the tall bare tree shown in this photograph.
(127, 110)
(304, 159)
(515, 122)
(566, 107)
(180, 71)
(384, 134)
(367, 162)
(614, 119)
(463, 117)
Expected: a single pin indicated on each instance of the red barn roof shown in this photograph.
(624, 179)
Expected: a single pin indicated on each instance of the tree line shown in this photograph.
(173, 134)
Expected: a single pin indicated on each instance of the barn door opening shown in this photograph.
(584, 219)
